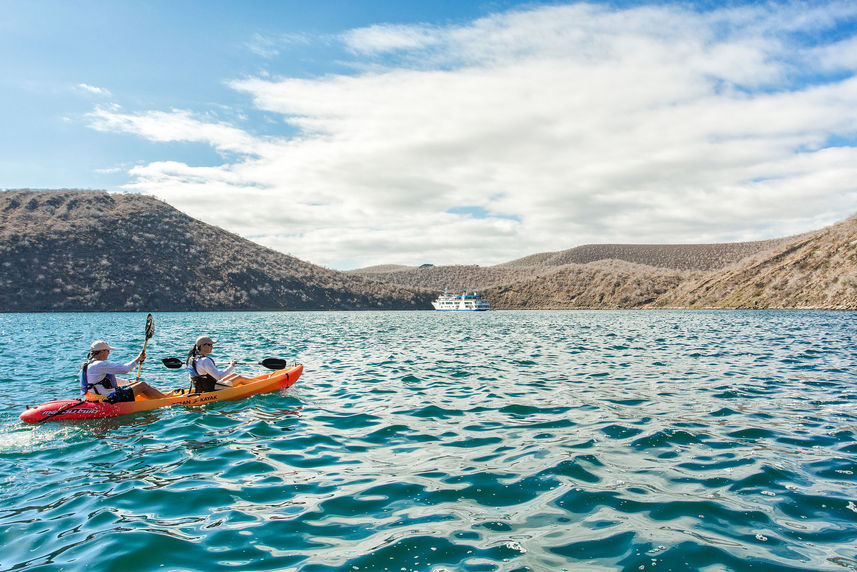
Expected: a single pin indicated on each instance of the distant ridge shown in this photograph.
(384, 268)
(812, 270)
(93, 251)
(456, 277)
(672, 256)
(658, 257)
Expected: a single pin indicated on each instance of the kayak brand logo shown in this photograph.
(75, 411)
(197, 401)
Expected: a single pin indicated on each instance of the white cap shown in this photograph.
(204, 340)
(99, 345)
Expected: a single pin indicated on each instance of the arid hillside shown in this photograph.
(656, 257)
(603, 284)
(672, 256)
(94, 251)
(456, 277)
(812, 270)
(816, 270)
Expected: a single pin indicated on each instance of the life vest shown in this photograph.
(201, 383)
(108, 381)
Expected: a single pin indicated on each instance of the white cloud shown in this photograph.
(572, 124)
(176, 125)
(263, 46)
(270, 47)
(379, 39)
(110, 170)
(838, 57)
(94, 90)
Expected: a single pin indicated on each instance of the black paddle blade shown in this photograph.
(150, 326)
(172, 362)
(274, 363)
(270, 363)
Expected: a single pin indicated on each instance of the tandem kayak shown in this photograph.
(71, 409)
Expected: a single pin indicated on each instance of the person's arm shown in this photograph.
(206, 366)
(105, 367)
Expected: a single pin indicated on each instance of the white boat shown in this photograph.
(461, 302)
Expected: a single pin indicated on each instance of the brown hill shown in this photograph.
(815, 270)
(655, 258)
(455, 277)
(672, 256)
(383, 269)
(94, 251)
(77, 250)
(812, 270)
(604, 285)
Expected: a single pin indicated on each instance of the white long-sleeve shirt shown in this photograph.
(97, 370)
(206, 365)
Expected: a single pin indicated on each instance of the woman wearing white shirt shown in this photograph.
(98, 376)
(204, 374)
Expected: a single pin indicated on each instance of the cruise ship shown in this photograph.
(461, 302)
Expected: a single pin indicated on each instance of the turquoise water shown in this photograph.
(638, 440)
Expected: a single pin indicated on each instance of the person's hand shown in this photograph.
(142, 357)
(233, 362)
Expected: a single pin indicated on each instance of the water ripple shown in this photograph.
(434, 441)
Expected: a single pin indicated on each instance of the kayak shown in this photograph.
(71, 409)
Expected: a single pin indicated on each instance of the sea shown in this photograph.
(444, 441)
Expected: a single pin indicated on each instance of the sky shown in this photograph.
(357, 133)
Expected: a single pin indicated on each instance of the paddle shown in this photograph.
(150, 331)
(270, 363)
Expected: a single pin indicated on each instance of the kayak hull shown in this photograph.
(77, 409)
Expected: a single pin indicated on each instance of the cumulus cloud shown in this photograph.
(536, 130)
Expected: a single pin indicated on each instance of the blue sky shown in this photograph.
(359, 133)
(161, 55)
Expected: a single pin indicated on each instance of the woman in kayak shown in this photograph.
(99, 376)
(204, 374)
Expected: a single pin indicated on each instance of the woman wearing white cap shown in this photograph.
(99, 376)
(204, 374)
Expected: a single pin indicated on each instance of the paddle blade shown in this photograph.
(172, 362)
(274, 363)
(150, 326)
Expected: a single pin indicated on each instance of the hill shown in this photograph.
(669, 262)
(672, 256)
(812, 270)
(94, 251)
(454, 277)
(815, 270)
(604, 285)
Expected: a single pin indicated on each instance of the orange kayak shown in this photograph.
(69, 409)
